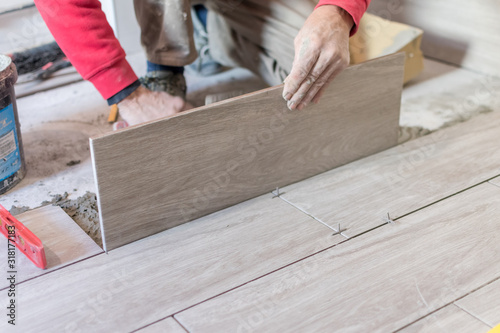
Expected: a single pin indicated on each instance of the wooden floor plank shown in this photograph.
(403, 179)
(168, 325)
(161, 174)
(63, 240)
(153, 278)
(450, 319)
(378, 282)
(484, 303)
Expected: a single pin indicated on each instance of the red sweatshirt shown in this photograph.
(83, 33)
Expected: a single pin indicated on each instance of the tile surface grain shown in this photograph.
(161, 174)
(155, 277)
(378, 282)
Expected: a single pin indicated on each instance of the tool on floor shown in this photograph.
(12, 166)
(113, 118)
(22, 238)
(46, 71)
(30, 60)
(119, 125)
(113, 114)
(17, 8)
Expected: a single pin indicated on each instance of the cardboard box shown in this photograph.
(377, 37)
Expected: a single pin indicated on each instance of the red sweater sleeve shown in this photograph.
(356, 8)
(84, 35)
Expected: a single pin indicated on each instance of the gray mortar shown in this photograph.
(16, 210)
(407, 133)
(83, 210)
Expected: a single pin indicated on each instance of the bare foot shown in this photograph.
(146, 105)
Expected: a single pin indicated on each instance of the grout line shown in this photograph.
(150, 324)
(447, 197)
(497, 185)
(399, 217)
(449, 303)
(178, 322)
(312, 216)
(474, 316)
(160, 320)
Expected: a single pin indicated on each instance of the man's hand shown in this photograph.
(321, 53)
(145, 105)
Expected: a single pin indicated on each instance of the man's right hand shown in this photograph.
(145, 105)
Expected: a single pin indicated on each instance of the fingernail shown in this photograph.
(290, 105)
(301, 106)
(287, 96)
(119, 125)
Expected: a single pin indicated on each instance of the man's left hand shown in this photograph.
(321, 53)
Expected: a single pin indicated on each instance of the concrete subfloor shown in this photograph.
(56, 124)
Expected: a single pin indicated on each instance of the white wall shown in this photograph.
(22, 29)
(462, 32)
(121, 17)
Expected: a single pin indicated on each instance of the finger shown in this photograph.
(169, 105)
(316, 98)
(314, 94)
(296, 78)
(177, 104)
(314, 88)
(310, 80)
(187, 106)
(302, 65)
(119, 125)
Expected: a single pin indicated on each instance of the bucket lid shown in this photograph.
(8, 73)
(4, 62)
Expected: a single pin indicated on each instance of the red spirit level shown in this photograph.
(23, 238)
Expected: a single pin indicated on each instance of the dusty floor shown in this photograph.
(56, 125)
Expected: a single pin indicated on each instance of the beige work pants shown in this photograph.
(255, 34)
